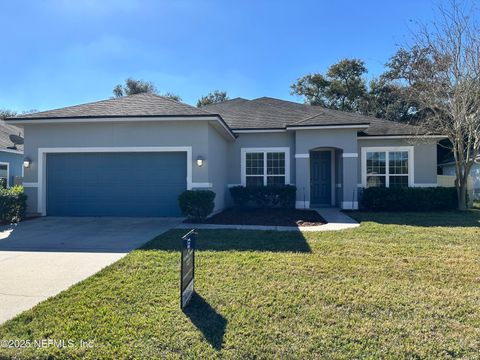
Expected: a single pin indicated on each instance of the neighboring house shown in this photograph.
(11, 155)
(448, 168)
(133, 156)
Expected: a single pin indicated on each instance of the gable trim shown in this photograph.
(12, 151)
(321, 127)
(384, 137)
(126, 118)
(246, 131)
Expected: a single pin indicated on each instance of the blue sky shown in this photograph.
(64, 52)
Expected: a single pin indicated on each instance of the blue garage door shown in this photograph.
(115, 184)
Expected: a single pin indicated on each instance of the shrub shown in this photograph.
(13, 203)
(282, 196)
(3, 183)
(197, 204)
(409, 199)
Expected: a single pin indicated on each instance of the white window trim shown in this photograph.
(42, 157)
(8, 172)
(387, 149)
(243, 165)
(204, 185)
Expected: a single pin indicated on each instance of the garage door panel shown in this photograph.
(115, 184)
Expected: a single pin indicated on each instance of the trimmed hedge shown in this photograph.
(197, 204)
(282, 196)
(409, 199)
(13, 203)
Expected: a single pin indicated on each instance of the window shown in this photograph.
(387, 167)
(4, 172)
(255, 169)
(265, 166)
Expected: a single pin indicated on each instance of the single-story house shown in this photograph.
(133, 156)
(11, 153)
(448, 168)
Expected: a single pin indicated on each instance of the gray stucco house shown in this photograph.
(11, 155)
(132, 156)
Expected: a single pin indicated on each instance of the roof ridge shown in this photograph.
(225, 101)
(276, 99)
(333, 110)
(284, 110)
(120, 102)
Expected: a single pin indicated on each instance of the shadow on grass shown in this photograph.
(207, 320)
(240, 240)
(469, 218)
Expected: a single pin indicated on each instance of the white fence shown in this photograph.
(449, 181)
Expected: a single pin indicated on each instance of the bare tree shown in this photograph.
(442, 71)
(5, 113)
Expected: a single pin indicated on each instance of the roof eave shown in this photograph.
(16, 119)
(359, 126)
(116, 118)
(401, 136)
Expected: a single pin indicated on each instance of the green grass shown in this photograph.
(400, 286)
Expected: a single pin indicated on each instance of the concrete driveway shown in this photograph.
(39, 258)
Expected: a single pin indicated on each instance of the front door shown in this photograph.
(320, 178)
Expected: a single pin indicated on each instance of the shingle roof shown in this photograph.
(273, 113)
(238, 113)
(381, 127)
(254, 114)
(131, 106)
(270, 113)
(5, 131)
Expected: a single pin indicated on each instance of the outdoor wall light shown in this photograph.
(200, 161)
(26, 162)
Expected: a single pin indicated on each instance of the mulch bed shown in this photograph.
(265, 216)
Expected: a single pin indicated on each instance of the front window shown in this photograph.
(4, 172)
(265, 168)
(387, 168)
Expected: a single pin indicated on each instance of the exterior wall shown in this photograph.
(222, 165)
(217, 166)
(109, 134)
(345, 143)
(424, 158)
(15, 164)
(258, 140)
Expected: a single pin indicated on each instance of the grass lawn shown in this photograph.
(400, 286)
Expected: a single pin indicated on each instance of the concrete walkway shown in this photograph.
(336, 220)
(40, 258)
